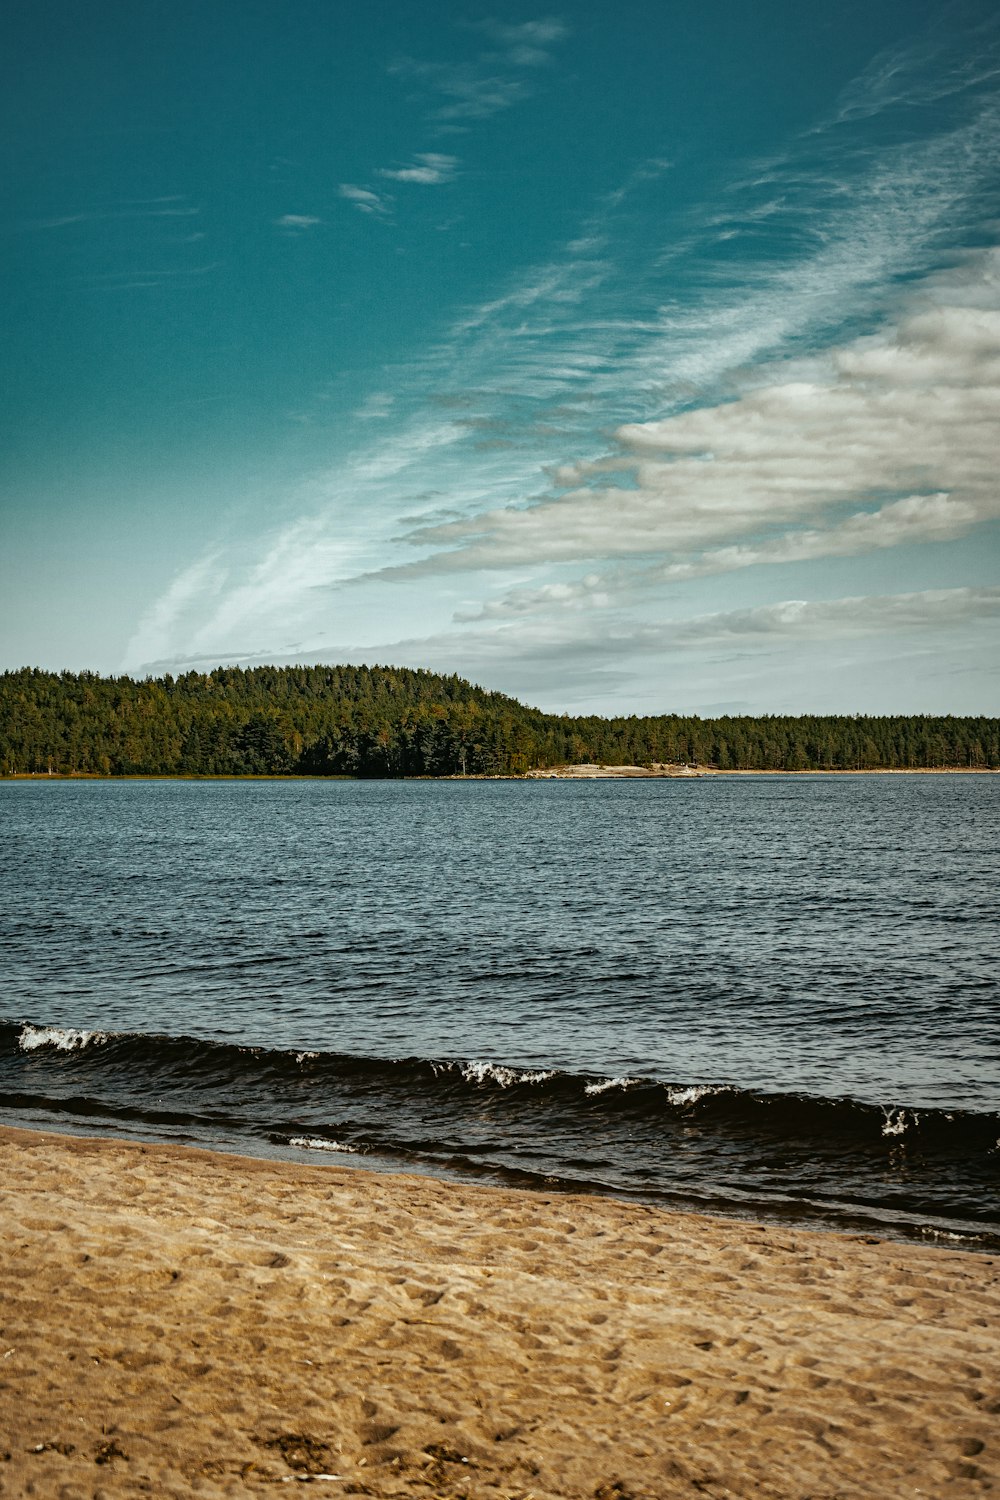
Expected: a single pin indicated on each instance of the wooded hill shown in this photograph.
(391, 721)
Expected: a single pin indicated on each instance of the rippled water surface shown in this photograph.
(771, 994)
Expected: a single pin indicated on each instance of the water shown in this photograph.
(771, 996)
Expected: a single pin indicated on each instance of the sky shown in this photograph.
(634, 357)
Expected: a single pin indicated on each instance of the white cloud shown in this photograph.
(346, 516)
(428, 169)
(916, 519)
(689, 456)
(562, 661)
(168, 614)
(297, 221)
(365, 200)
(376, 407)
(649, 335)
(62, 222)
(939, 66)
(873, 653)
(495, 81)
(174, 206)
(527, 44)
(901, 426)
(595, 591)
(842, 619)
(468, 91)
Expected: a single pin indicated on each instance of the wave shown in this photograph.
(319, 1143)
(198, 1066)
(490, 1072)
(61, 1038)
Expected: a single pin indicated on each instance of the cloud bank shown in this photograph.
(562, 475)
(900, 426)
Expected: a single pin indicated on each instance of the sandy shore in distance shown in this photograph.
(587, 772)
(179, 1323)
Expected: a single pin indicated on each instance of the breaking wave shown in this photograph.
(60, 1038)
(693, 1143)
(318, 1143)
(162, 1059)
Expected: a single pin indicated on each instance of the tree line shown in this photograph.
(395, 721)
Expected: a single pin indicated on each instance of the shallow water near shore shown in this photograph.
(773, 997)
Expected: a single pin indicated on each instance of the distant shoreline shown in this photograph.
(383, 723)
(553, 773)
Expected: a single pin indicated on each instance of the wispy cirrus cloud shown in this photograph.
(297, 221)
(379, 205)
(174, 206)
(459, 94)
(525, 44)
(622, 420)
(281, 583)
(377, 407)
(155, 273)
(468, 92)
(686, 325)
(475, 89)
(427, 169)
(136, 244)
(903, 423)
(169, 615)
(948, 59)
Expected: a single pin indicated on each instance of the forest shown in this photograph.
(393, 721)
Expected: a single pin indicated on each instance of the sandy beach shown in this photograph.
(181, 1323)
(659, 772)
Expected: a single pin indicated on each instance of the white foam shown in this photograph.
(62, 1038)
(692, 1094)
(609, 1083)
(949, 1237)
(482, 1072)
(320, 1143)
(301, 1057)
(896, 1121)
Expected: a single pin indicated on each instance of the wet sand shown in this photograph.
(180, 1323)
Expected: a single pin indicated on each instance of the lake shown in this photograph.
(773, 996)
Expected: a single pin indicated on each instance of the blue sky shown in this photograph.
(621, 357)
